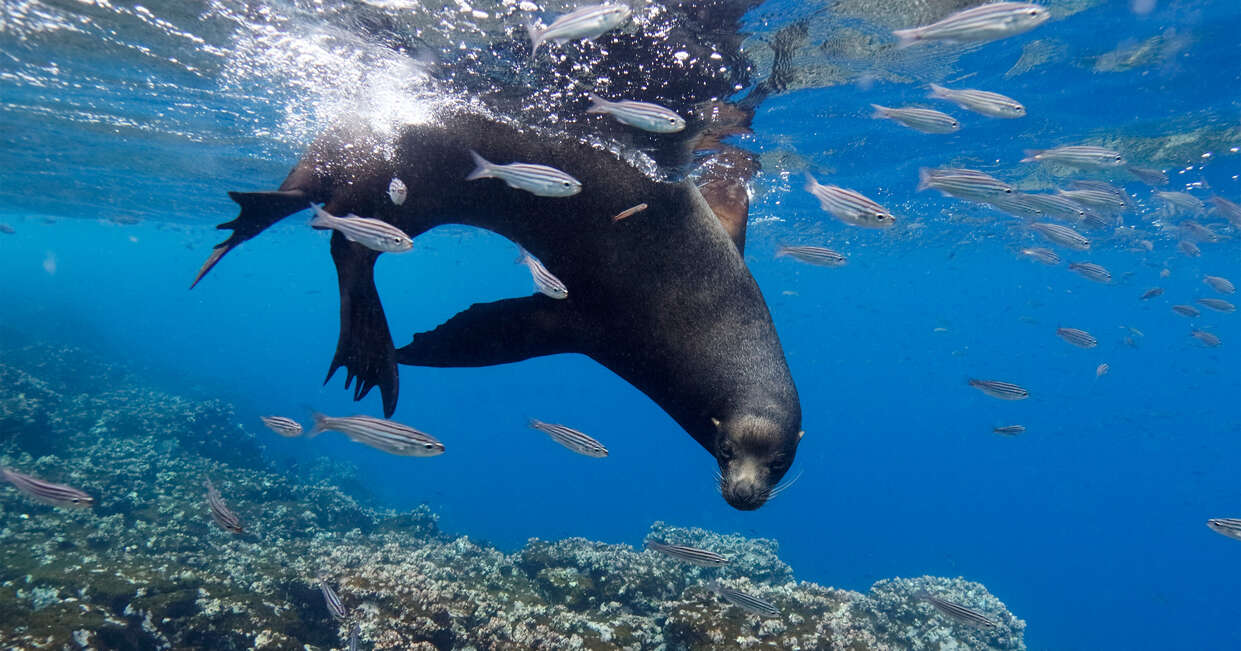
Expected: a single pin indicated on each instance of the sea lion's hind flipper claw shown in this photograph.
(365, 346)
(259, 210)
(501, 332)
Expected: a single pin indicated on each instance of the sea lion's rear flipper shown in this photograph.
(499, 333)
(365, 345)
(258, 211)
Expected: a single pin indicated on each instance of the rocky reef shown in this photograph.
(145, 568)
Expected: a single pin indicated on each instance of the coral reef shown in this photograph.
(146, 569)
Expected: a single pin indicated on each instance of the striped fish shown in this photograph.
(848, 206)
(1093, 199)
(1228, 210)
(1046, 256)
(397, 191)
(589, 22)
(1217, 304)
(1153, 178)
(970, 185)
(282, 426)
(1076, 156)
(643, 115)
(1102, 369)
(544, 281)
(629, 212)
(1206, 338)
(1182, 202)
(1199, 232)
(1100, 186)
(924, 120)
(1062, 235)
(571, 438)
(1219, 284)
(987, 103)
(1001, 390)
(1015, 205)
(355, 633)
(539, 180)
(334, 606)
(1151, 293)
(1230, 527)
(815, 255)
(957, 612)
(223, 516)
(691, 555)
(384, 435)
(374, 234)
(1054, 205)
(1009, 430)
(746, 602)
(1189, 248)
(988, 22)
(1096, 221)
(1091, 271)
(45, 491)
(1079, 338)
(1186, 310)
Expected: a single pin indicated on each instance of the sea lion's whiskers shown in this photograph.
(780, 488)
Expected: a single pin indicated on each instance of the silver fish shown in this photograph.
(385, 435)
(1046, 256)
(1198, 232)
(1182, 202)
(282, 426)
(355, 632)
(848, 206)
(45, 491)
(397, 191)
(1189, 248)
(988, 22)
(1228, 209)
(691, 555)
(571, 438)
(1001, 390)
(374, 234)
(589, 22)
(1016, 205)
(815, 255)
(1100, 186)
(539, 180)
(970, 185)
(957, 612)
(223, 516)
(1217, 304)
(1206, 338)
(918, 119)
(1151, 293)
(1186, 310)
(1094, 199)
(1076, 156)
(1153, 178)
(643, 115)
(980, 101)
(1062, 235)
(1054, 205)
(1230, 527)
(1091, 271)
(334, 605)
(1219, 284)
(544, 281)
(1102, 369)
(1079, 338)
(746, 602)
(1009, 430)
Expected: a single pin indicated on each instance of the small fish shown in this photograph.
(1217, 304)
(7, 230)
(397, 191)
(1198, 231)
(1079, 338)
(987, 103)
(1009, 430)
(1186, 310)
(539, 180)
(1219, 284)
(1226, 208)
(1062, 235)
(223, 516)
(1100, 186)
(1076, 156)
(1054, 205)
(970, 185)
(1189, 248)
(1001, 390)
(1093, 199)
(385, 435)
(544, 281)
(924, 120)
(282, 426)
(1091, 271)
(355, 632)
(1015, 205)
(1151, 293)
(334, 606)
(1182, 202)
(629, 212)
(45, 491)
(691, 555)
(1102, 370)
(746, 602)
(1153, 178)
(1206, 338)
(1230, 527)
(589, 22)
(374, 234)
(957, 612)
(1165, 272)
(571, 438)
(643, 115)
(988, 22)
(848, 206)
(815, 255)
(1046, 256)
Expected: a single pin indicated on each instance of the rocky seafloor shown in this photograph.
(145, 568)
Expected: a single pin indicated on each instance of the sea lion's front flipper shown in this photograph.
(365, 345)
(499, 333)
(258, 211)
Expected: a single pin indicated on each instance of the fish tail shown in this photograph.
(320, 424)
(482, 169)
(907, 37)
(536, 37)
(522, 256)
(938, 92)
(322, 219)
(597, 104)
(1031, 155)
(811, 182)
(880, 111)
(534, 423)
(924, 179)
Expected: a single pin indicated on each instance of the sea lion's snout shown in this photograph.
(754, 453)
(745, 494)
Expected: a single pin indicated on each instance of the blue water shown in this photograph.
(1090, 526)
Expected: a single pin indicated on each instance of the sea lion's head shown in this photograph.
(754, 452)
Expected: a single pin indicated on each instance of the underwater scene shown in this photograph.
(620, 324)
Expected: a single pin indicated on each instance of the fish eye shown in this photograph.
(880, 216)
(1118, 158)
(567, 184)
(1034, 12)
(1008, 190)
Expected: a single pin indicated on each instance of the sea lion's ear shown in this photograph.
(716, 422)
(801, 434)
